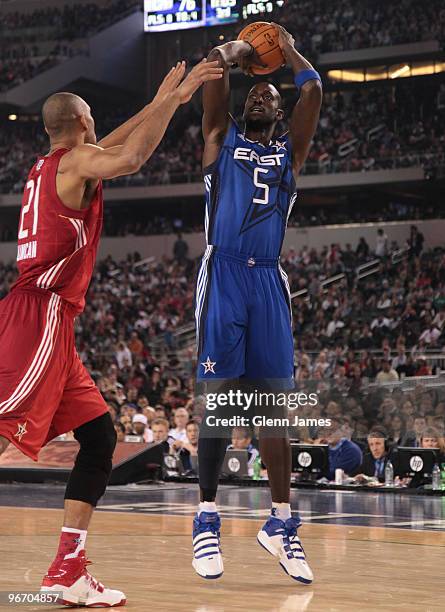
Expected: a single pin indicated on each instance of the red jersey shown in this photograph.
(57, 245)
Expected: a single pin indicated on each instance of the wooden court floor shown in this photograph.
(148, 557)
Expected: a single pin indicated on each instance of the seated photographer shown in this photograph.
(189, 448)
(376, 458)
(242, 440)
(343, 453)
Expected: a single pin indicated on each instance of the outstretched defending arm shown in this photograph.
(216, 95)
(93, 162)
(119, 135)
(305, 115)
(122, 132)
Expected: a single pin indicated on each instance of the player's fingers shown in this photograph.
(212, 64)
(211, 76)
(280, 27)
(178, 74)
(169, 77)
(206, 67)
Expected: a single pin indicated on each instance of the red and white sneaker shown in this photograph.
(78, 587)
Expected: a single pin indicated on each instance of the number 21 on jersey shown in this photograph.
(33, 188)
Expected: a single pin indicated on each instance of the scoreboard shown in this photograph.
(163, 15)
(260, 8)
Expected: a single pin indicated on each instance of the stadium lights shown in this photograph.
(347, 75)
(362, 75)
(12, 117)
(399, 72)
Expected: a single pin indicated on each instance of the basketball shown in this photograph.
(263, 36)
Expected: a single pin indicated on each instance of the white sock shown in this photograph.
(79, 538)
(281, 511)
(207, 507)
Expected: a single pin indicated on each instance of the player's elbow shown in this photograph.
(313, 91)
(132, 163)
(216, 55)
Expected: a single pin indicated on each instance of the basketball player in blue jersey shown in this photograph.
(243, 315)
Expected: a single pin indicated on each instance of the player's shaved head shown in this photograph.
(264, 85)
(262, 109)
(60, 112)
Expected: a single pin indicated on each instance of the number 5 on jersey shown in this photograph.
(257, 183)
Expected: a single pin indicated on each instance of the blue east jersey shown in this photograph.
(250, 191)
(242, 310)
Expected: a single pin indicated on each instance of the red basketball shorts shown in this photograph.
(45, 390)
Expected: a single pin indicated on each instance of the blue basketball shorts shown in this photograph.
(243, 320)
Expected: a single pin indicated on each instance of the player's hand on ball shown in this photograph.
(253, 59)
(285, 40)
(202, 72)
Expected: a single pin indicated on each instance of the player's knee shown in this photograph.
(93, 464)
(97, 440)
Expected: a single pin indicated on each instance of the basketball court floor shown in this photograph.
(368, 551)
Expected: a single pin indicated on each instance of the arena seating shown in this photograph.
(376, 128)
(136, 334)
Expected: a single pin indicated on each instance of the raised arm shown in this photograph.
(216, 95)
(93, 162)
(304, 119)
(123, 131)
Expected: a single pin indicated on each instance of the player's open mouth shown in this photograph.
(257, 109)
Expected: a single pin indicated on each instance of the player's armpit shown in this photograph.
(92, 162)
(304, 122)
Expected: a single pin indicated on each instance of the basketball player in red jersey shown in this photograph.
(44, 388)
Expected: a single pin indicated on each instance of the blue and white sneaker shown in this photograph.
(280, 539)
(207, 559)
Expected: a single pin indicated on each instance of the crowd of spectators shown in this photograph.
(22, 54)
(351, 339)
(66, 22)
(359, 130)
(322, 26)
(318, 26)
(378, 128)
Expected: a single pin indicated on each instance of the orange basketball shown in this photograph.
(263, 37)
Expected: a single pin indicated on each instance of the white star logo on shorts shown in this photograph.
(21, 431)
(209, 366)
(279, 145)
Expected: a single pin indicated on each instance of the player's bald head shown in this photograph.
(60, 111)
(260, 88)
(263, 107)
